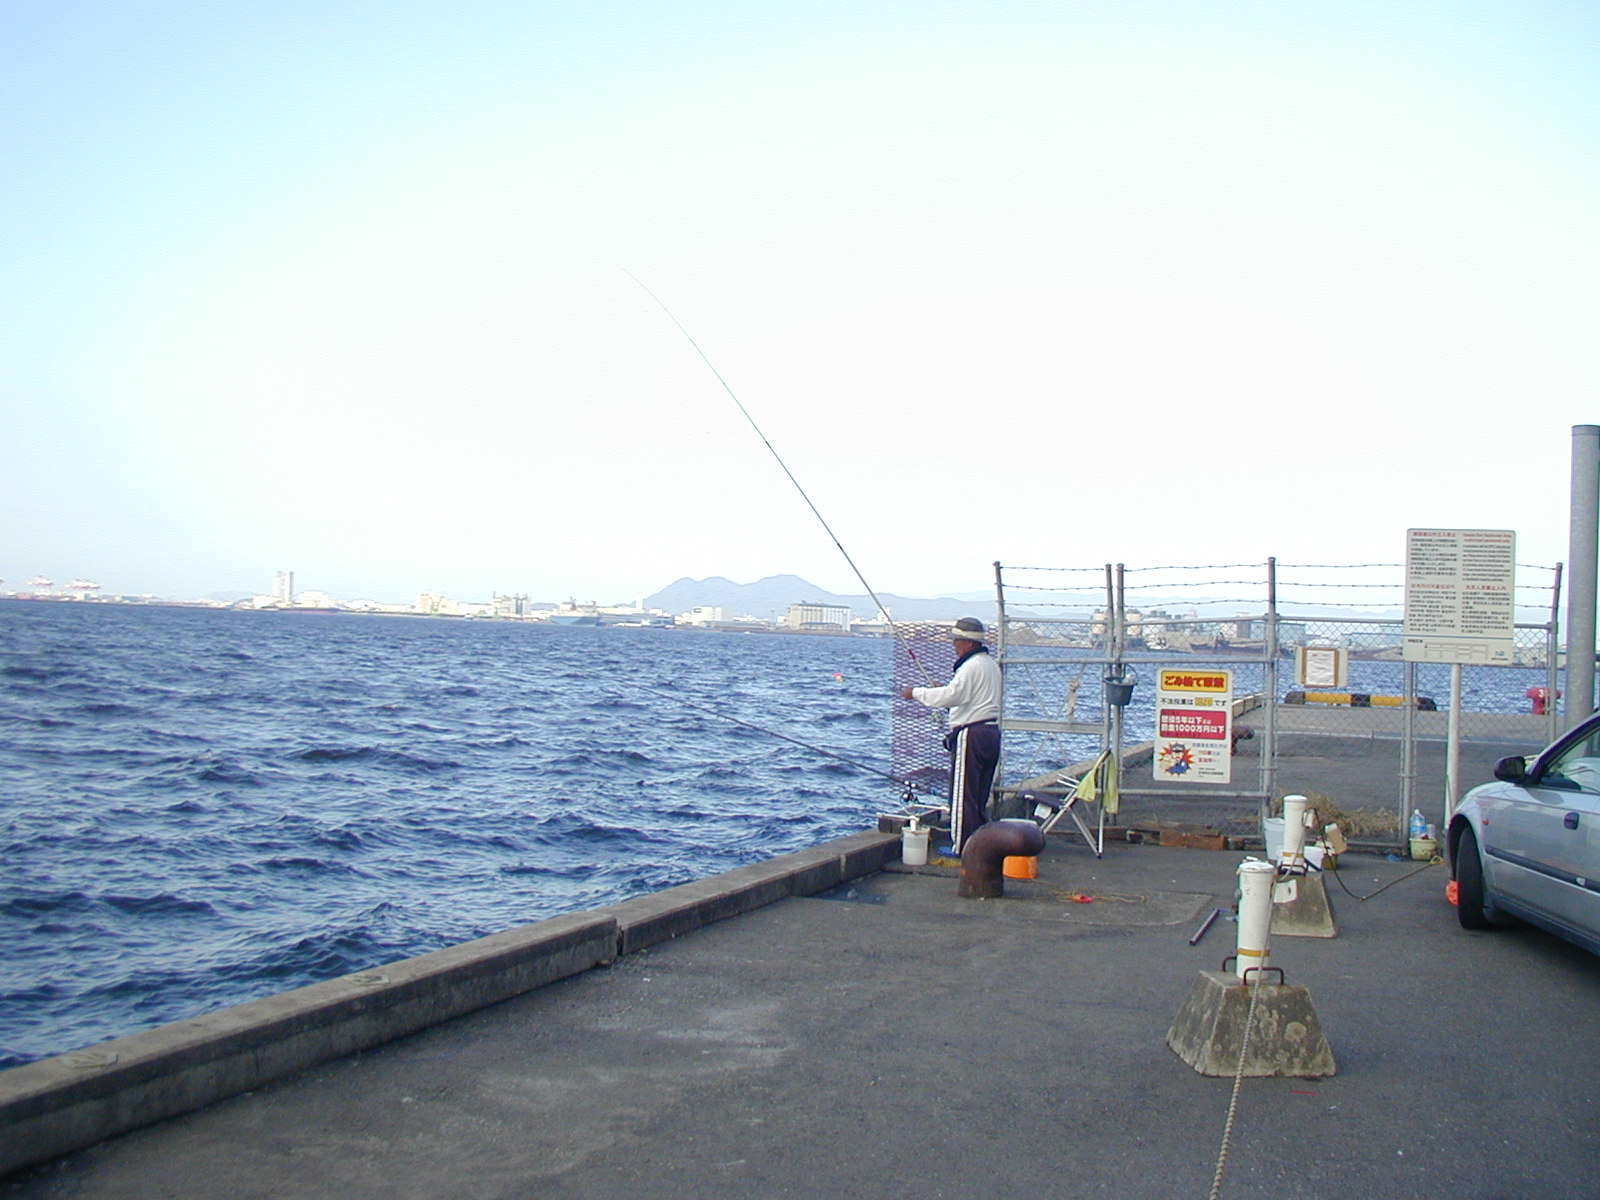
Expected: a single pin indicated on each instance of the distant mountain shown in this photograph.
(770, 598)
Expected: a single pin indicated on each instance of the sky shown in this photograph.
(363, 289)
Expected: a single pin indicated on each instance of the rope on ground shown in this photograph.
(1249, 1025)
(1338, 875)
(1238, 1079)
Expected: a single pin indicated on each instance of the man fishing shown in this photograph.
(973, 698)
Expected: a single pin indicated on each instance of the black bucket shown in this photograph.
(1118, 693)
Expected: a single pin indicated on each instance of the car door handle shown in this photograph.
(1570, 820)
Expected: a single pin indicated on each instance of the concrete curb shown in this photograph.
(646, 920)
(74, 1100)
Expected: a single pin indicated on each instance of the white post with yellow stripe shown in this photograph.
(1292, 858)
(1255, 913)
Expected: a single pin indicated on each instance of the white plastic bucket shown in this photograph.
(914, 845)
(1272, 831)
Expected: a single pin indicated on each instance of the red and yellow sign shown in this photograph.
(1194, 726)
(1217, 683)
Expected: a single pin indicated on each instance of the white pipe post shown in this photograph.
(1292, 858)
(1255, 913)
(1452, 745)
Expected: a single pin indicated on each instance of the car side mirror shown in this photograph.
(1512, 770)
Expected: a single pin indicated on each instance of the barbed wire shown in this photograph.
(1050, 604)
(1210, 567)
(1282, 566)
(1031, 587)
(1100, 570)
(1200, 583)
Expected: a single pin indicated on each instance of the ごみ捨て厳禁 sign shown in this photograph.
(1194, 726)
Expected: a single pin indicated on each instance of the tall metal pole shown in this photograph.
(1000, 657)
(1408, 747)
(1122, 646)
(1583, 549)
(1269, 681)
(1452, 746)
(1552, 657)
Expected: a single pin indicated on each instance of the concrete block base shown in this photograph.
(1285, 1039)
(1303, 909)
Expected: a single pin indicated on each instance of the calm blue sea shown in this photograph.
(200, 807)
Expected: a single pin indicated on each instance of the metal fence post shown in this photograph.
(1582, 553)
(1269, 684)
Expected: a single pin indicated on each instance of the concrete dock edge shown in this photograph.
(646, 920)
(74, 1100)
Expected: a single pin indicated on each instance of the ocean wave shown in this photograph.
(31, 674)
(235, 819)
(159, 905)
(599, 758)
(340, 838)
(230, 774)
(52, 904)
(304, 863)
(376, 755)
(106, 708)
(566, 829)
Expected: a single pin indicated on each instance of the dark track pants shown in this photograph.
(975, 753)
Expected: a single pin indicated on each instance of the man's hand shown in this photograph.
(905, 694)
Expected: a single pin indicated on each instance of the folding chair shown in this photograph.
(1096, 788)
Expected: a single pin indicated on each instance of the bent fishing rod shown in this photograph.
(705, 358)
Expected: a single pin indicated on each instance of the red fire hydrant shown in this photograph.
(1541, 700)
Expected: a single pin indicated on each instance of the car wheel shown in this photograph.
(1469, 884)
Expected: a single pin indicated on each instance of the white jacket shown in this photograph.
(973, 693)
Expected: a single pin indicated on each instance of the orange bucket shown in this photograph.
(1020, 866)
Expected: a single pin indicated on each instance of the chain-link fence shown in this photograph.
(1373, 741)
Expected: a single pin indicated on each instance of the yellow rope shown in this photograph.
(1238, 1078)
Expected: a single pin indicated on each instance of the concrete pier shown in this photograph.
(884, 1037)
(78, 1099)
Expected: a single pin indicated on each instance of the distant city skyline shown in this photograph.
(1343, 583)
(286, 587)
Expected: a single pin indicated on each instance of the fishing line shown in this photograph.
(710, 712)
(705, 358)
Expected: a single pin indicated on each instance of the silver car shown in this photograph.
(1528, 844)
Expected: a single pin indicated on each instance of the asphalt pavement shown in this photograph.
(892, 1039)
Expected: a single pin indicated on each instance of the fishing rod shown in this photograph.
(705, 358)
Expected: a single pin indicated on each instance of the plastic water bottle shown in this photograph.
(1419, 824)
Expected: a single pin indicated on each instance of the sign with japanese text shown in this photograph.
(1194, 726)
(1321, 666)
(1460, 596)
